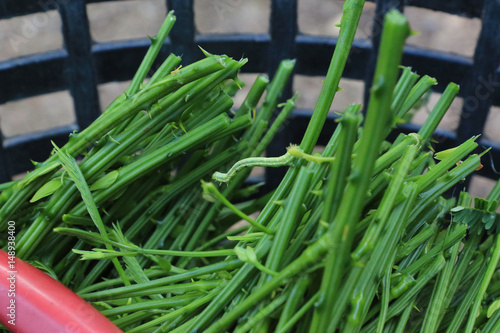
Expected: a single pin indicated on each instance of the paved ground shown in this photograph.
(135, 19)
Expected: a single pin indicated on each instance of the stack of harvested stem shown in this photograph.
(356, 239)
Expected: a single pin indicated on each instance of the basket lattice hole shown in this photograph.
(30, 34)
(258, 172)
(121, 20)
(318, 149)
(491, 132)
(309, 88)
(450, 121)
(443, 32)
(319, 17)
(481, 186)
(109, 91)
(37, 114)
(232, 16)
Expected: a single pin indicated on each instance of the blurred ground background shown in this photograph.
(121, 20)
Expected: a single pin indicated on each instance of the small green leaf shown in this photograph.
(101, 305)
(317, 193)
(254, 236)
(224, 275)
(105, 181)
(478, 203)
(208, 197)
(493, 307)
(488, 220)
(77, 219)
(252, 257)
(50, 187)
(208, 191)
(241, 253)
(443, 154)
(102, 254)
(40, 170)
(46, 269)
(164, 264)
(493, 205)
(90, 255)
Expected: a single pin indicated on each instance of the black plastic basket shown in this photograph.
(81, 66)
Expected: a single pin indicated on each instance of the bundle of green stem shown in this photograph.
(358, 238)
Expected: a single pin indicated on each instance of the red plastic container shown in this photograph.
(31, 302)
